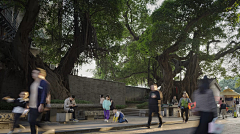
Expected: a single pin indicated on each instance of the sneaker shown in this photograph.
(10, 132)
(75, 120)
(148, 126)
(186, 122)
(160, 125)
(126, 120)
(106, 120)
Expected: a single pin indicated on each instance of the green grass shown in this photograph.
(121, 106)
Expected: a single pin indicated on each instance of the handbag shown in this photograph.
(214, 127)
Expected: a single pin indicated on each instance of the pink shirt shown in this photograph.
(220, 102)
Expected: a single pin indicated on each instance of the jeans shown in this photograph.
(72, 111)
(186, 113)
(32, 119)
(106, 114)
(121, 120)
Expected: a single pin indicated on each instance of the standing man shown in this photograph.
(37, 99)
(220, 103)
(70, 106)
(154, 103)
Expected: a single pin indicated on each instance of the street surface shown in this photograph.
(231, 126)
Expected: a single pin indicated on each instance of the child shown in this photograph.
(106, 107)
(101, 99)
(118, 116)
(223, 108)
(21, 104)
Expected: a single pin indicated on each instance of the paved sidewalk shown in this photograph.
(99, 125)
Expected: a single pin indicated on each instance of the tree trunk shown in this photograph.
(20, 45)
(167, 84)
(189, 83)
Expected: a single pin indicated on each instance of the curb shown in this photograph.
(112, 128)
(124, 126)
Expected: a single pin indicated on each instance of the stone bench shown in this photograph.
(83, 111)
(99, 114)
(6, 120)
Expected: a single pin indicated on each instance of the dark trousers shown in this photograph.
(16, 120)
(186, 113)
(73, 112)
(205, 118)
(219, 111)
(33, 115)
(156, 111)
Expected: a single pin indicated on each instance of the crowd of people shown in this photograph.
(37, 101)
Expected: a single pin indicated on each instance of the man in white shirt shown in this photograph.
(37, 99)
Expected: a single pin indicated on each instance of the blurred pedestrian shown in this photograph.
(206, 106)
(37, 99)
(220, 102)
(183, 105)
(154, 104)
(21, 105)
(101, 99)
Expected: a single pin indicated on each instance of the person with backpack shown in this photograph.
(183, 105)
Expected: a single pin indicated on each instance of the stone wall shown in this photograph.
(90, 89)
(135, 93)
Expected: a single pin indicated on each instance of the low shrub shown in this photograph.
(77, 101)
(121, 106)
(6, 106)
(134, 102)
(143, 105)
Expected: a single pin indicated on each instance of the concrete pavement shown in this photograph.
(85, 126)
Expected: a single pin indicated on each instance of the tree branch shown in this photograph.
(191, 23)
(231, 50)
(136, 38)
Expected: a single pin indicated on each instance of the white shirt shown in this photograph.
(34, 94)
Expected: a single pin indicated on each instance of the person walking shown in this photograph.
(21, 105)
(220, 102)
(223, 109)
(206, 106)
(106, 107)
(154, 104)
(37, 99)
(183, 105)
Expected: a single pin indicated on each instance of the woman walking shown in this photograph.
(183, 104)
(206, 106)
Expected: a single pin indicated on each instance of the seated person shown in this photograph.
(70, 106)
(118, 116)
(174, 100)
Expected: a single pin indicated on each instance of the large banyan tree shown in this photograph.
(68, 32)
(182, 37)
